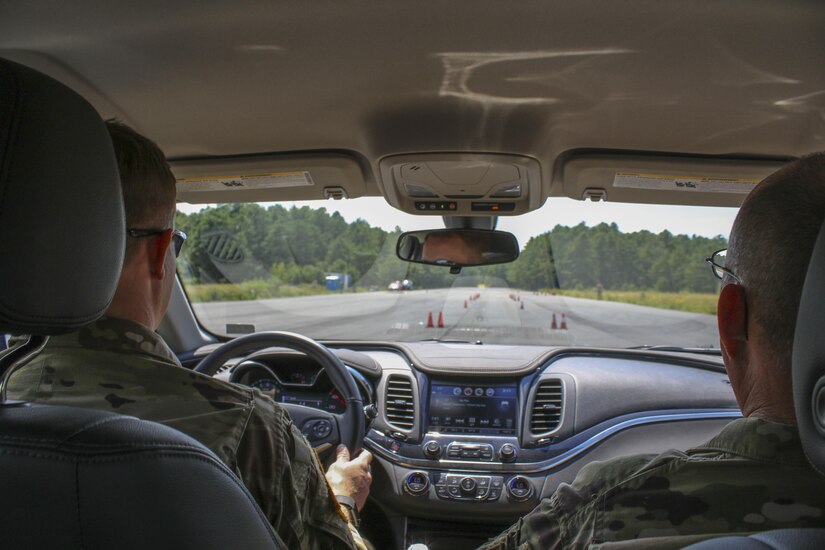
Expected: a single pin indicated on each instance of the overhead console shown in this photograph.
(462, 184)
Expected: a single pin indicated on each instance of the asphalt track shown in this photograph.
(497, 316)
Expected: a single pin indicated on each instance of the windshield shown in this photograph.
(592, 274)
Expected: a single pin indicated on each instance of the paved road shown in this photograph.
(494, 317)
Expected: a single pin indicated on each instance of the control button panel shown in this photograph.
(493, 207)
(469, 451)
(469, 488)
(432, 450)
(519, 489)
(435, 206)
(317, 429)
(417, 483)
(468, 485)
(507, 453)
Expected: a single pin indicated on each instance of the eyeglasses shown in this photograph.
(178, 237)
(717, 264)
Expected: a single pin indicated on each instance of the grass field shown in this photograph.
(683, 301)
(262, 289)
(249, 290)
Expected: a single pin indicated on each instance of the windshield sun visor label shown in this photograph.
(684, 183)
(247, 181)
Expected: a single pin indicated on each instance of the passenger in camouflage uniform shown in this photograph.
(118, 363)
(754, 475)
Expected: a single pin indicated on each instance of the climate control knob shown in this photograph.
(519, 488)
(468, 484)
(432, 450)
(507, 453)
(417, 484)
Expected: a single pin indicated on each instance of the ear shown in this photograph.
(158, 251)
(732, 316)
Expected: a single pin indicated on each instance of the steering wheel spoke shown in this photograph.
(319, 427)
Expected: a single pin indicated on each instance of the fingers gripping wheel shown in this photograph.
(351, 424)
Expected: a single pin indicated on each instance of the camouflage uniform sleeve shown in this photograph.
(563, 519)
(280, 469)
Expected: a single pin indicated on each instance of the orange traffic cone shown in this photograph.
(563, 324)
(440, 320)
(465, 304)
(553, 324)
(430, 320)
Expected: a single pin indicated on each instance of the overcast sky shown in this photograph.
(688, 220)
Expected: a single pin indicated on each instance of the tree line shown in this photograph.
(298, 246)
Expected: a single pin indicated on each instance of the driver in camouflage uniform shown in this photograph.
(119, 363)
(751, 477)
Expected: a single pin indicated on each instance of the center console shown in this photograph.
(465, 446)
(468, 450)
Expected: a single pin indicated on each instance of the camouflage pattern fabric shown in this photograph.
(751, 477)
(122, 366)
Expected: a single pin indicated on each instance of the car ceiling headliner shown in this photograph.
(377, 78)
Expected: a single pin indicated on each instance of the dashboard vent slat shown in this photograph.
(547, 407)
(399, 402)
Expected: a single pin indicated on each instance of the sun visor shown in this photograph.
(660, 178)
(264, 178)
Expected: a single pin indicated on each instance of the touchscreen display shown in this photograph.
(473, 408)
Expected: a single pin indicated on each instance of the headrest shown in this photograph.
(62, 226)
(809, 359)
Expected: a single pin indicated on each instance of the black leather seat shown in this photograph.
(809, 401)
(70, 477)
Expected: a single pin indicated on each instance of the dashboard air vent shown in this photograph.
(546, 414)
(399, 403)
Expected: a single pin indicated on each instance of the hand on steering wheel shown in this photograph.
(351, 477)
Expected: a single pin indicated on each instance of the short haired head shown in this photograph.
(771, 245)
(147, 181)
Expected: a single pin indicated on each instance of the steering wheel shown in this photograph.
(319, 426)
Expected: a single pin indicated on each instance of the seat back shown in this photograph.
(79, 478)
(70, 477)
(809, 359)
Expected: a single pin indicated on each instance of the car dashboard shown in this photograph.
(293, 378)
(481, 433)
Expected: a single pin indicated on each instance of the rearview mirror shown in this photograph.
(457, 248)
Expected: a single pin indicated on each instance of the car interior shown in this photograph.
(458, 119)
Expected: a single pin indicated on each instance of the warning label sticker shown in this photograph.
(247, 181)
(684, 183)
